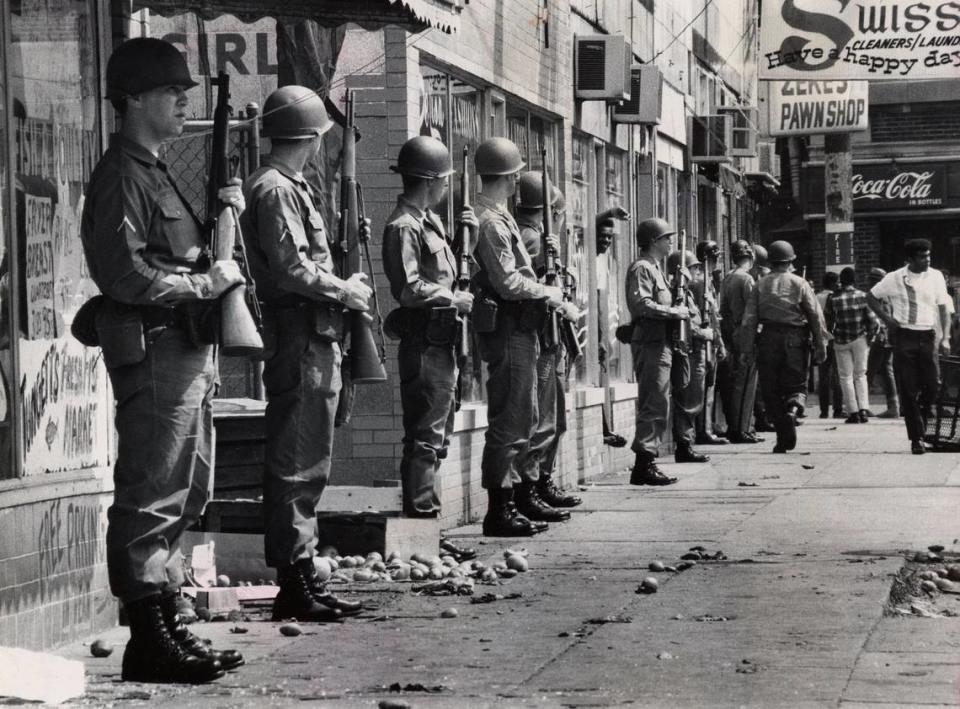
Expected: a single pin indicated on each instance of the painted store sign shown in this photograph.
(888, 187)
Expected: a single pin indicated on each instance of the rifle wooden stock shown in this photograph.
(682, 329)
(568, 330)
(463, 267)
(239, 335)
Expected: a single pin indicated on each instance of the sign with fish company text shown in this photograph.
(868, 39)
(803, 107)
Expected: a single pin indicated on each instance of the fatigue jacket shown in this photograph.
(783, 299)
(504, 261)
(649, 300)
(143, 243)
(417, 257)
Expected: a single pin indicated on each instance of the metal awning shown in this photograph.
(414, 15)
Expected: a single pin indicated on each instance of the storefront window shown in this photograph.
(612, 266)
(64, 398)
(578, 209)
(7, 466)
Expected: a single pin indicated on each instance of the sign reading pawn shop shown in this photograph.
(802, 107)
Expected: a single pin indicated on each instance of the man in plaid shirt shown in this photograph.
(853, 325)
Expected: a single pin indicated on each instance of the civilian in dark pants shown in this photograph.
(785, 307)
(828, 383)
(910, 301)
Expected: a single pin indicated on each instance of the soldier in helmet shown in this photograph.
(760, 269)
(542, 503)
(651, 307)
(288, 249)
(421, 267)
(688, 395)
(509, 312)
(704, 292)
(786, 309)
(145, 251)
(737, 374)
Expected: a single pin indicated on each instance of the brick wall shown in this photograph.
(53, 578)
(915, 122)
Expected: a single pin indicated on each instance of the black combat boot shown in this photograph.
(684, 453)
(502, 518)
(787, 431)
(646, 472)
(530, 505)
(295, 598)
(551, 494)
(228, 659)
(153, 655)
(320, 593)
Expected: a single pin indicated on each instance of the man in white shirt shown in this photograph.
(917, 316)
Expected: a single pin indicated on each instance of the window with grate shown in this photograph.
(919, 122)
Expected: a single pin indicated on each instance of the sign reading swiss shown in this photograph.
(868, 39)
(803, 107)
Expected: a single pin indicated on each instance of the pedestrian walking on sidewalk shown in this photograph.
(737, 374)
(880, 360)
(546, 501)
(288, 248)
(785, 308)
(828, 382)
(852, 325)
(509, 312)
(146, 253)
(912, 302)
(651, 306)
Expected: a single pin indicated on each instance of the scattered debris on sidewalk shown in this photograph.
(494, 597)
(449, 613)
(747, 667)
(710, 618)
(417, 687)
(927, 585)
(101, 648)
(743, 484)
(807, 466)
(614, 618)
(665, 656)
(648, 585)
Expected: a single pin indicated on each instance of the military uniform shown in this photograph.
(649, 300)
(688, 400)
(737, 374)
(785, 307)
(421, 268)
(711, 318)
(512, 349)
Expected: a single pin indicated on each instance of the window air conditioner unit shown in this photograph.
(709, 138)
(745, 121)
(602, 67)
(768, 160)
(646, 97)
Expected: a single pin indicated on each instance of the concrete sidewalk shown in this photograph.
(793, 617)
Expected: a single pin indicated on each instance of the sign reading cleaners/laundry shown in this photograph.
(889, 186)
(867, 39)
(804, 107)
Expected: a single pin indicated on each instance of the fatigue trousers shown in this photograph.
(918, 376)
(302, 380)
(511, 353)
(541, 456)
(688, 401)
(428, 382)
(162, 476)
(651, 365)
(880, 363)
(704, 420)
(737, 384)
(783, 356)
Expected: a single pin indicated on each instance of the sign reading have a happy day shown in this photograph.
(866, 39)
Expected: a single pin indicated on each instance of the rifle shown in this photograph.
(552, 335)
(568, 330)
(238, 332)
(463, 267)
(363, 360)
(679, 287)
(707, 278)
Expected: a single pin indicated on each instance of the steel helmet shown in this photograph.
(294, 112)
(781, 252)
(497, 156)
(145, 63)
(424, 156)
(649, 230)
(708, 250)
(530, 190)
(760, 254)
(740, 249)
(673, 260)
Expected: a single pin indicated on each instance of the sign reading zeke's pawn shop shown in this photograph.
(866, 39)
(803, 107)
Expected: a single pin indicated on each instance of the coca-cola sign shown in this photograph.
(892, 186)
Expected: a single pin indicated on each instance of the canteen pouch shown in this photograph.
(393, 324)
(328, 322)
(484, 314)
(624, 334)
(442, 326)
(84, 325)
(120, 332)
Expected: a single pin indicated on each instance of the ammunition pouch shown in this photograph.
(323, 319)
(84, 325)
(120, 333)
(624, 333)
(484, 313)
(442, 327)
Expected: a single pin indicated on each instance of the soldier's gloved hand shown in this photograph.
(232, 195)
(554, 296)
(680, 312)
(553, 242)
(224, 274)
(569, 311)
(365, 230)
(356, 293)
(462, 301)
